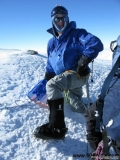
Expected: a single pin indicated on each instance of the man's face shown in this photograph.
(59, 20)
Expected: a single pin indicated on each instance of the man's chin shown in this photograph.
(60, 27)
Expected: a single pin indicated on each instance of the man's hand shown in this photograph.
(82, 67)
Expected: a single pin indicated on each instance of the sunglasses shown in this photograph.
(57, 19)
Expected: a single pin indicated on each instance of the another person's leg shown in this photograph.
(92, 136)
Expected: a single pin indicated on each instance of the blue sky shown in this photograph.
(23, 23)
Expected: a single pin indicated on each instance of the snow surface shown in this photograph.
(19, 73)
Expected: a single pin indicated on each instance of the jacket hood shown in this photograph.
(71, 25)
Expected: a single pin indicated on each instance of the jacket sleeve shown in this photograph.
(92, 45)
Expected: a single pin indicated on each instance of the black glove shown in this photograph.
(48, 76)
(82, 68)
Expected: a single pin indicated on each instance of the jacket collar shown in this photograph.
(72, 25)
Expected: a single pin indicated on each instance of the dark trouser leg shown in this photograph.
(93, 137)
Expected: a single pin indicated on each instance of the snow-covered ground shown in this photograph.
(19, 73)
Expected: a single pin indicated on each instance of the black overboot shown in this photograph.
(56, 128)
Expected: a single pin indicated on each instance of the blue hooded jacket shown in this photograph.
(65, 52)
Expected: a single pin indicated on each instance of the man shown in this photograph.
(69, 53)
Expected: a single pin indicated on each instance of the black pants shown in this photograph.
(93, 137)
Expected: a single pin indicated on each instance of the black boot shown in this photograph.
(56, 128)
